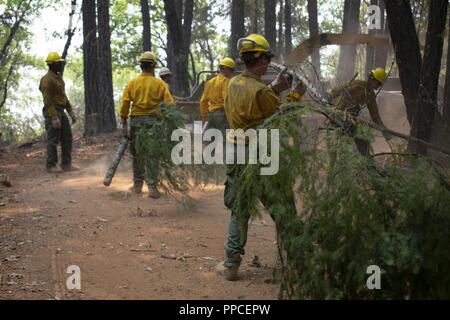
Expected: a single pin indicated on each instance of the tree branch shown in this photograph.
(13, 32)
(5, 85)
(194, 72)
(70, 30)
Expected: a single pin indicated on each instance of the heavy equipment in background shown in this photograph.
(295, 62)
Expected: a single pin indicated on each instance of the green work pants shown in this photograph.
(218, 120)
(149, 170)
(62, 135)
(279, 202)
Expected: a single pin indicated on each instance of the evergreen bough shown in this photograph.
(352, 211)
(155, 143)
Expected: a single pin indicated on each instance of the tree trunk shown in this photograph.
(146, 26)
(441, 125)
(70, 30)
(270, 22)
(314, 31)
(106, 96)
(5, 81)
(407, 51)
(280, 46)
(187, 22)
(180, 36)
(237, 26)
(427, 103)
(90, 65)
(187, 35)
(170, 53)
(255, 17)
(446, 109)
(287, 27)
(347, 57)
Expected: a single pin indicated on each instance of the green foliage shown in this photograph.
(15, 40)
(353, 213)
(155, 143)
(15, 37)
(15, 128)
(126, 33)
(73, 77)
(208, 45)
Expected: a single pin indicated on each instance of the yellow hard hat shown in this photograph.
(254, 43)
(147, 56)
(227, 62)
(379, 74)
(53, 57)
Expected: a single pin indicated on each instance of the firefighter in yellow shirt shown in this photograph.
(212, 101)
(143, 94)
(354, 96)
(57, 124)
(248, 102)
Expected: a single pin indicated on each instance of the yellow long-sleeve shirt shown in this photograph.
(355, 96)
(249, 101)
(144, 93)
(53, 91)
(213, 95)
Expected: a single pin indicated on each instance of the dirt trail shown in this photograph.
(159, 251)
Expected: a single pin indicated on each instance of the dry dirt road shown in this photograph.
(127, 246)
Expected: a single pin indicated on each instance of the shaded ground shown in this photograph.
(127, 246)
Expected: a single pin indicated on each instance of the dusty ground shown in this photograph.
(127, 246)
(49, 222)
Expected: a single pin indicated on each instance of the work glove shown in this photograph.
(281, 82)
(298, 86)
(73, 117)
(56, 123)
(124, 128)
